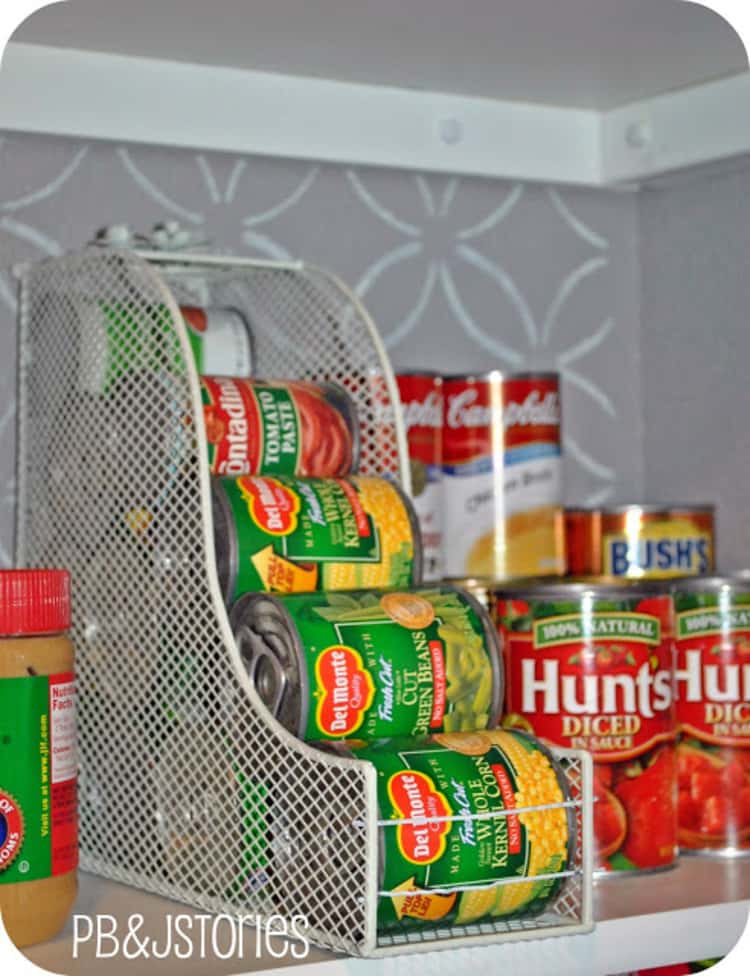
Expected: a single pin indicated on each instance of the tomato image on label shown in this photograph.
(591, 668)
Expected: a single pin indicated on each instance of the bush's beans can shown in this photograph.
(279, 427)
(372, 664)
(492, 861)
(712, 640)
(422, 409)
(220, 339)
(502, 476)
(641, 541)
(299, 534)
(583, 542)
(591, 667)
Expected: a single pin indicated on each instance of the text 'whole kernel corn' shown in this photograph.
(445, 849)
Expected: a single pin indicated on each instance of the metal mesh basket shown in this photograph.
(188, 787)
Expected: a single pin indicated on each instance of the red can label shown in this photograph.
(713, 714)
(422, 410)
(598, 675)
(283, 427)
(502, 470)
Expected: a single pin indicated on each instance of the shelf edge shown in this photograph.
(87, 94)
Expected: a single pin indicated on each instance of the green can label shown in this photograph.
(38, 818)
(467, 776)
(298, 535)
(118, 338)
(384, 664)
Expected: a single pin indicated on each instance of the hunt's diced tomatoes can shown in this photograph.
(422, 409)
(591, 667)
(502, 472)
(712, 641)
(640, 541)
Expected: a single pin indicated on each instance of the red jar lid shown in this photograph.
(34, 601)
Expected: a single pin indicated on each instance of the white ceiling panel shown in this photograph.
(589, 54)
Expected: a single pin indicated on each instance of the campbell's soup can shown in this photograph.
(502, 476)
(641, 541)
(712, 641)
(279, 427)
(422, 409)
(591, 667)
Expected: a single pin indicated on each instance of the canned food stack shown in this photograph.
(321, 569)
(590, 661)
(332, 638)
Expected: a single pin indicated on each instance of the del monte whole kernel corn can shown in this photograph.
(496, 859)
(590, 666)
(372, 663)
(712, 640)
(289, 534)
(502, 476)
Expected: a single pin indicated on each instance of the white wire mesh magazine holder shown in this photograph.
(188, 786)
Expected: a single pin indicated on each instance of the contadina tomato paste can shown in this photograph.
(279, 427)
(439, 865)
(591, 667)
(502, 476)
(712, 639)
(372, 663)
(299, 534)
(422, 408)
(641, 541)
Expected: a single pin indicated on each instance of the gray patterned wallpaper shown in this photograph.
(459, 274)
(695, 242)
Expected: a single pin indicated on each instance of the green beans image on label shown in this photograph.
(372, 663)
(438, 871)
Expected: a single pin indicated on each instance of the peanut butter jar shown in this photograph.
(38, 763)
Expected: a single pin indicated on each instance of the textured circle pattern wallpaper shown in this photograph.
(458, 273)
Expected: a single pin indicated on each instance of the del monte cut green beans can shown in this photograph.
(453, 852)
(372, 663)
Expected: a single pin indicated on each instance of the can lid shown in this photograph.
(34, 601)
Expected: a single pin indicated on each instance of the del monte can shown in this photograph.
(590, 666)
(372, 663)
(453, 851)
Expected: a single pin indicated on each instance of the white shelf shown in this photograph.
(231, 109)
(697, 911)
